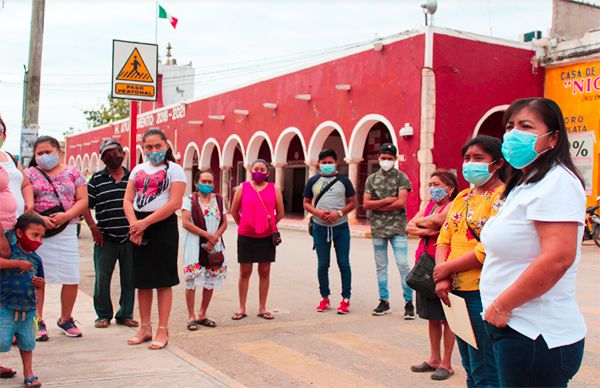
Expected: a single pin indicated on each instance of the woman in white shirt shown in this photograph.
(153, 194)
(533, 248)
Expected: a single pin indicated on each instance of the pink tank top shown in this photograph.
(8, 204)
(253, 218)
(430, 248)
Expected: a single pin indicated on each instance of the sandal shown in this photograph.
(206, 322)
(127, 322)
(157, 345)
(137, 340)
(441, 374)
(6, 373)
(266, 315)
(423, 367)
(192, 325)
(32, 382)
(239, 316)
(102, 323)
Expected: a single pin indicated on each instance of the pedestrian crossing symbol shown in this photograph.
(135, 69)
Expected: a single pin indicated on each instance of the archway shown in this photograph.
(190, 165)
(125, 158)
(86, 165)
(210, 158)
(260, 147)
(290, 164)
(79, 163)
(491, 122)
(233, 166)
(328, 134)
(139, 154)
(94, 163)
(71, 161)
(368, 135)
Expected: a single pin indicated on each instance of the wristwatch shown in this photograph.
(340, 213)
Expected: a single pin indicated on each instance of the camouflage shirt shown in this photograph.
(382, 185)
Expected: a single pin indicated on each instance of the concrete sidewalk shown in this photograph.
(102, 357)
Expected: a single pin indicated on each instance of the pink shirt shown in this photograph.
(8, 204)
(253, 218)
(432, 239)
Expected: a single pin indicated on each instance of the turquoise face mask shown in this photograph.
(156, 157)
(518, 147)
(477, 173)
(327, 169)
(205, 189)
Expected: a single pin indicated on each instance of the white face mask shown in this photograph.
(386, 165)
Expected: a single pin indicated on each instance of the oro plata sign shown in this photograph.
(134, 71)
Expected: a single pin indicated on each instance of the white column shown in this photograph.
(313, 167)
(248, 173)
(279, 177)
(426, 131)
(353, 165)
(189, 178)
(225, 183)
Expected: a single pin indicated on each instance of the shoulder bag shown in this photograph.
(319, 196)
(420, 277)
(206, 258)
(275, 235)
(56, 209)
(473, 232)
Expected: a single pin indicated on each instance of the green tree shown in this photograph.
(115, 109)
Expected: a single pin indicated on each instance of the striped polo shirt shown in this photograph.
(106, 196)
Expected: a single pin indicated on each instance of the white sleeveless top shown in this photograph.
(15, 181)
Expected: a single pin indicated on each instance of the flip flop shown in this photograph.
(32, 382)
(102, 323)
(206, 322)
(192, 325)
(423, 367)
(441, 374)
(6, 373)
(267, 315)
(239, 316)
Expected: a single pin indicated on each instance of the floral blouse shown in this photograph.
(66, 183)
(460, 239)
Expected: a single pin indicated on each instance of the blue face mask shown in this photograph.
(437, 193)
(518, 148)
(156, 157)
(205, 189)
(327, 169)
(477, 173)
(47, 161)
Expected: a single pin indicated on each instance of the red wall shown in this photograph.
(473, 77)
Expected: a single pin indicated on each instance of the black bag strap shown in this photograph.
(51, 184)
(473, 232)
(326, 189)
(13, 159)
(427, 238)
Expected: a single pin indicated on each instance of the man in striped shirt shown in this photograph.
(106, 190)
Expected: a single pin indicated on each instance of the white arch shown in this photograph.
(361, 131)
(72, 161)
(319, 137)
(283, 144)
(499, 108)
(206, 155)
(86, 162)
(79, 163)
(94, 162)
(138, 152)
(188, 155)
(254, 146)
(229, 150)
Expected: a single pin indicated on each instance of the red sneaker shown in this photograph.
(323, 305)
(344, 304)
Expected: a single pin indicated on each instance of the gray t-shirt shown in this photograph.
(334, 199)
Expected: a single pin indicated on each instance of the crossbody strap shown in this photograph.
(325, 189)
(51, 184)
(427, 238)
(473, 232)
(269, 218)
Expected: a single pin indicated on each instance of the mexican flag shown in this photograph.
(162, 14)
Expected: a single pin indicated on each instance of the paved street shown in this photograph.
(300, 347)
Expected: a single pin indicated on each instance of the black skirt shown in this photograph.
(430, 309)
(255, 250)
(155, 261)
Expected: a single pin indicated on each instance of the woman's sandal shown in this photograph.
(266, 315)
(422, 367)
(206, 322)
(192, 325)
(238, 316)
(157, 345)
(32, 382)
(137, 340)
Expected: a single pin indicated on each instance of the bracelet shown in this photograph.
(498, 310)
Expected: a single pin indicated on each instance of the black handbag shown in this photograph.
(56, 209)
(319, 196)
(420, 278)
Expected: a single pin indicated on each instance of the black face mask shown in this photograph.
(113, 162)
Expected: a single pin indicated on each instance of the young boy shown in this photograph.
(19, 276)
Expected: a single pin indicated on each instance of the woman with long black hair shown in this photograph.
(153, 195)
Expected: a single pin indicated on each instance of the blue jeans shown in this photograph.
(523, 362)
(400, 248)
(479, 363)
(323, 236)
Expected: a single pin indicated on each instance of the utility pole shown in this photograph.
(32, 88)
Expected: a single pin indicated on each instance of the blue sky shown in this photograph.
(213, 35)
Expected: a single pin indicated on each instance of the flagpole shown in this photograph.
(156, 21)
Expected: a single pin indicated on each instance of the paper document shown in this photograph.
(458, 318)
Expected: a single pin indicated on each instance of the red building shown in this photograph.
(426, 91)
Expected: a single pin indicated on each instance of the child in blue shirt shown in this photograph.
(20, 275)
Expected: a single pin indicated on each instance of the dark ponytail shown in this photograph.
(155, 131)
(43, 139)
